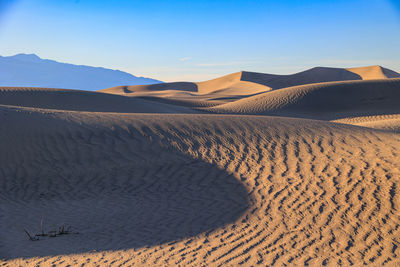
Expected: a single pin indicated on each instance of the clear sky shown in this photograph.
(198, 40)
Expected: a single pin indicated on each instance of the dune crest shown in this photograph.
(374, 73)
(78, 100)
(246, 83)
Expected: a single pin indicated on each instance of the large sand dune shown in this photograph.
(245, 83)
(229, 84)
(234, 187)
(64, 99)
(204, 189)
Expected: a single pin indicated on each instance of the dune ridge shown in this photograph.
(246, 82)
(79, 100)
(374, 73)
(228, 84)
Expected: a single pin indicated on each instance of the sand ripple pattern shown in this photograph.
(315, 193)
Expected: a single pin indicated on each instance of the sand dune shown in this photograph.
(180, 86)
(243, 84)
(319, 75)
(78, 100)
(384, 122)
(246, 83)
(234, 187)
(374, 73)
(231, 84)
(197, 190)
(322, 101)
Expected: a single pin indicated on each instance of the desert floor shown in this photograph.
(247, 169)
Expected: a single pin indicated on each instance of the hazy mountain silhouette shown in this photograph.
(33, 71)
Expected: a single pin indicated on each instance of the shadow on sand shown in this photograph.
(120, 189)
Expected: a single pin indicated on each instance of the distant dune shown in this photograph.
(322, 101)
(246, 83)
(246, 169)
(229, 84)
(374, 72)
(78, 100)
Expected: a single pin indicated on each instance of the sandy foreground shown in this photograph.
(234, 171)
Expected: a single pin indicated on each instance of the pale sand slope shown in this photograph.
(330, 101)
(374, 72)
(197, 190)
(202, 94)
(78, 100)
(231, 84)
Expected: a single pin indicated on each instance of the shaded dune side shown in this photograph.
(118, 181)
(385, 122)
(191, 102)
(181, 86)
(77, 100)
(314, 75)
(319, 193)
(322, 101)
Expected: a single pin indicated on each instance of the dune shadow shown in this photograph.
(77, 100)
(120, 189)
(181, 86)
(314, 75)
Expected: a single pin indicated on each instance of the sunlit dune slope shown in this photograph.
(322, 101)
(229, 84)
(232, 84)
(77, 100)
(374, 72)
(197, 190)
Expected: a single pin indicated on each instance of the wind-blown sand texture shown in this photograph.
(187, 189)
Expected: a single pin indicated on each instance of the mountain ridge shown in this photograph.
(29, 70)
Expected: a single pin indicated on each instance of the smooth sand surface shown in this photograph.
(374, 72)
(63, 99)
(145, 188)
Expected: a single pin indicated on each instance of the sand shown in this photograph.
(226, 186)
(331, 100)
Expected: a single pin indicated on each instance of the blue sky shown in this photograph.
(198, 40)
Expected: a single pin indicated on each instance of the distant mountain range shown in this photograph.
(29, 70)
